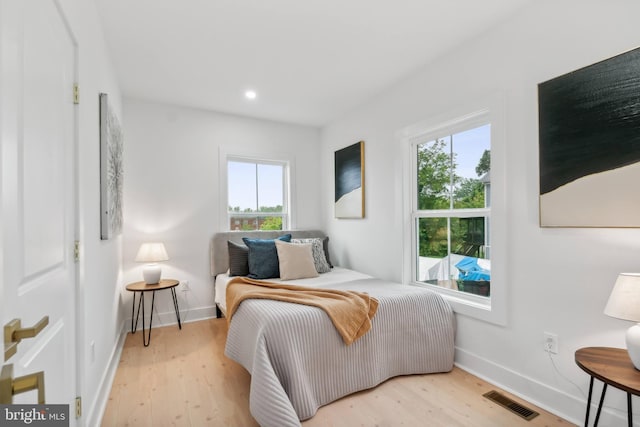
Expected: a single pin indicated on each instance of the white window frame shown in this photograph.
(288, 161)
(494, 308)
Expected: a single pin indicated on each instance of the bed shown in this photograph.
(297, 360)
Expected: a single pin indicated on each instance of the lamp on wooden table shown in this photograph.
(624, 303)
(152, 254)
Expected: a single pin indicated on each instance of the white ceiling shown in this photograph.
(309, 61)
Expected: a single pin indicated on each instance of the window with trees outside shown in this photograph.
(257, 193)
(452, 206)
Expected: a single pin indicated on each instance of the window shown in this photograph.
(451, 232)
(452, 215)
(257, 194)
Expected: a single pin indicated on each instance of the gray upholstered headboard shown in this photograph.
(219, 250)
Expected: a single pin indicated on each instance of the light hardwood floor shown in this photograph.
(184, 379)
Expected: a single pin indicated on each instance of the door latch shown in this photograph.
(14, 333)
(10, 386)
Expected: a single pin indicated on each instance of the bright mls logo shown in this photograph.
(34, 415)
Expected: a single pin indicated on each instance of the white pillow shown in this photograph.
(295, 261)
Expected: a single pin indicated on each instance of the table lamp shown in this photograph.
(151, 253)
(624, 303)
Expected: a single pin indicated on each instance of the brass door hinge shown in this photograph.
(78, 407)
(76, 250)
(76, 94)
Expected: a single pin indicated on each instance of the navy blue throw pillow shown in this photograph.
(263, 257)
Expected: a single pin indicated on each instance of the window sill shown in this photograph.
(470, 305)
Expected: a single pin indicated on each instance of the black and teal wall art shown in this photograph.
(589, 144)
(349, 181)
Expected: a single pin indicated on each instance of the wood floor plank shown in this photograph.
(184, 379)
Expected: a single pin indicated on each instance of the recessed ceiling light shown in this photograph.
(250, 94)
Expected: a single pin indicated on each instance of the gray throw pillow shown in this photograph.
(325, 246)
(238, 259)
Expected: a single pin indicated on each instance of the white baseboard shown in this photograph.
(558, 402)
(168, 318)
(96, 410)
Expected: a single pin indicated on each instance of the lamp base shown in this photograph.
(633, 344)
(151, 274)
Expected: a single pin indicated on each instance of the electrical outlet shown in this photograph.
(185, 285)
(551, 342)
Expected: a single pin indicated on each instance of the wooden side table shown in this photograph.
(613, 367)
(142, 287)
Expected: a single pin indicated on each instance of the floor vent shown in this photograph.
(511, 405)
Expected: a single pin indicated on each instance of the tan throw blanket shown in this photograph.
(351, 312)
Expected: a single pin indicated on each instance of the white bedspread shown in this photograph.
(298, 361)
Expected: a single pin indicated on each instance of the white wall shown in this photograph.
(99, 315)
(558, 279)
(171, 190)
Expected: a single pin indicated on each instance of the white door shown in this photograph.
(37, 192)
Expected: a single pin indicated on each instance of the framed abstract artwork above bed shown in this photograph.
(589, 142)
(349, 181)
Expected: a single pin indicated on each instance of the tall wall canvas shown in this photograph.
(589, 145)
(349, 181)
(111, 174)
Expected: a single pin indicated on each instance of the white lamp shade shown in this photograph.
(624, 303)
(152, 252)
